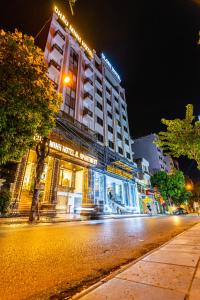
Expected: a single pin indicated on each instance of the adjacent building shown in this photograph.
(145, 193)
(144, 147)
(90, 160)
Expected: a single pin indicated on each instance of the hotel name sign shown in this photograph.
(119, 172)
(73, 153)
(73, 32)
(110, 66)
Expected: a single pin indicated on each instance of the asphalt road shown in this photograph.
(43, 261)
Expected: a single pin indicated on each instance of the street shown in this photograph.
(42, 261)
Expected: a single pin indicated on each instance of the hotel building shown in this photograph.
(90, 160)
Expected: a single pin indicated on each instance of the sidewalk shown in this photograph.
(65, 218)
(171, 272)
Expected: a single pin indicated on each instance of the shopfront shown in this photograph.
(115, 191)
(64, 184)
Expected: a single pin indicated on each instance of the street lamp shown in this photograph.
(67, 79)
(189, 187)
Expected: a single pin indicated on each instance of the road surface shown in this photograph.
(55, 261)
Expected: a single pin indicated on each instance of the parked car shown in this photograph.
(180, 211)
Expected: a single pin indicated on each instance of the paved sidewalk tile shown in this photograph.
(174, 257)
(191, 233)
(195, 289)
(181, 248)
(118, 289)
(186, 240)
(161, 275)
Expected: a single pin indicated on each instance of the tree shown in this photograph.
(28, 101)
(5, 198)
(171, 186)
(182, 136)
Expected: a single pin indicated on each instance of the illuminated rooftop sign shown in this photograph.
(73, 32)
(110, 66)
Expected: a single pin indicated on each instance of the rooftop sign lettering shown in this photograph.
(73, 32)
(110, 66)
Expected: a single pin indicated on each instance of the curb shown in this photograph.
(123, 268)
(75, 220)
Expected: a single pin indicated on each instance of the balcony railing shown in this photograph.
(58, 32)
(82, 129)
(87, 95)
(87, 112)
(88, 80)
(55, 46)
(55, 64)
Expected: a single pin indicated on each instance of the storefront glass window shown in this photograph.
(28, 178)
(65, 178)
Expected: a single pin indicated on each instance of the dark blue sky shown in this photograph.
(152, 45)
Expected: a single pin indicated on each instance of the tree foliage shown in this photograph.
(28, 101)
(182, 136)
(171, 186)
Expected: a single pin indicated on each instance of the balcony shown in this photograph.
(56, 52)
(87, 98)
(55, 46)
(77, 128)
(59, 38)
(59, 33)
(54, 64)
(87, 113)
(88, 84)
(88, 71)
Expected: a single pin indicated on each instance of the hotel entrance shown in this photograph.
(70, 187)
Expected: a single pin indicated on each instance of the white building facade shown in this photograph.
(94, 101)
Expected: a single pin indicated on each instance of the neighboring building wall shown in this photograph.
(144, 147)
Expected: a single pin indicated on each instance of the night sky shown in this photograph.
(151, 44)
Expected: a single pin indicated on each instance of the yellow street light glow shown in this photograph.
(188, 186)
(67, 79)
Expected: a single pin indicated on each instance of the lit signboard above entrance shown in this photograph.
(119, 172)
(73, 153)
(110, 66)
(73, 32)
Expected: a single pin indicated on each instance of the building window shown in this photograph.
(108, 90)
(99, 80)
(99, 92)
(124, 117)
(109, 115)
(117, 111)
(99, 106)
(118, 123)
(119, 136)
(99, 121)
(111, 144)
(116, 99)
(127, 142)
(125, 129)
(73, 61)
(110, 129)
(109, 102)
(65, 178)
(123, 106)
(100, 137)
(120, 150)
(128, 155)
